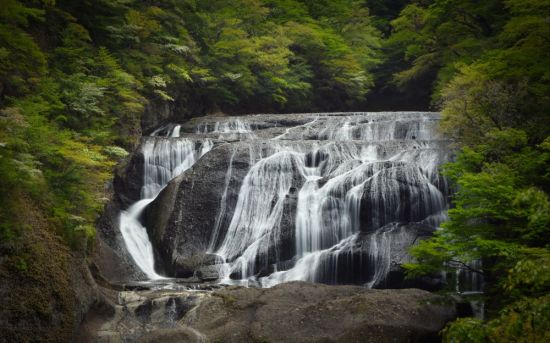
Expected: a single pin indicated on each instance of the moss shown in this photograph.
(228, 299)
(260, 339)
(257, 338)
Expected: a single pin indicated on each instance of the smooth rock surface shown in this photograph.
(180, 221)
(304, 312)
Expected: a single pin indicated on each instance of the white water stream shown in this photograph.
(164, 159)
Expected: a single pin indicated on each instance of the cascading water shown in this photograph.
(165, 157)
(233, 126)
(357, 178)
(322, 197)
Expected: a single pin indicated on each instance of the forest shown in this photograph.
(77, 79)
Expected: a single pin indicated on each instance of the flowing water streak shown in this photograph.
(287, 132)
(164, 159)
(223, 205)
(136, 238)
(254, 227)
(176, 132)
(169, 130)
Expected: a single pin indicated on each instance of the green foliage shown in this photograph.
(285, 55)
(21, 60)
(498, 206)
(490, 60)
(437, 36)
(530, 275)
(501, 216)
(76, 76)
(526, 321)
(492, 84)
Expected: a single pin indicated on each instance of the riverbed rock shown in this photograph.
(207, 273)
(148, 315)
(305, 312)
(290, 312)
(179, 335)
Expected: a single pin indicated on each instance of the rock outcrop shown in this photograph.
(304, 312)
(263, 201)
(291, 312)
(181, 220)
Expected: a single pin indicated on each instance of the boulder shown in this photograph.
(207, 273)
(181, 220)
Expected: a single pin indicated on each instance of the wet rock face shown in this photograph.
(375, 258)
(182, 220)
(142, 316)
(332, 198)
(111, 259)
(398, 194)
(158, 112)
(129, 180)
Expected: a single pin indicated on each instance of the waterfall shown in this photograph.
(321, 197)
(259, 210)
(223, 204)
(231, 126)
(358, 177)
(165, 156)
(136, 238)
